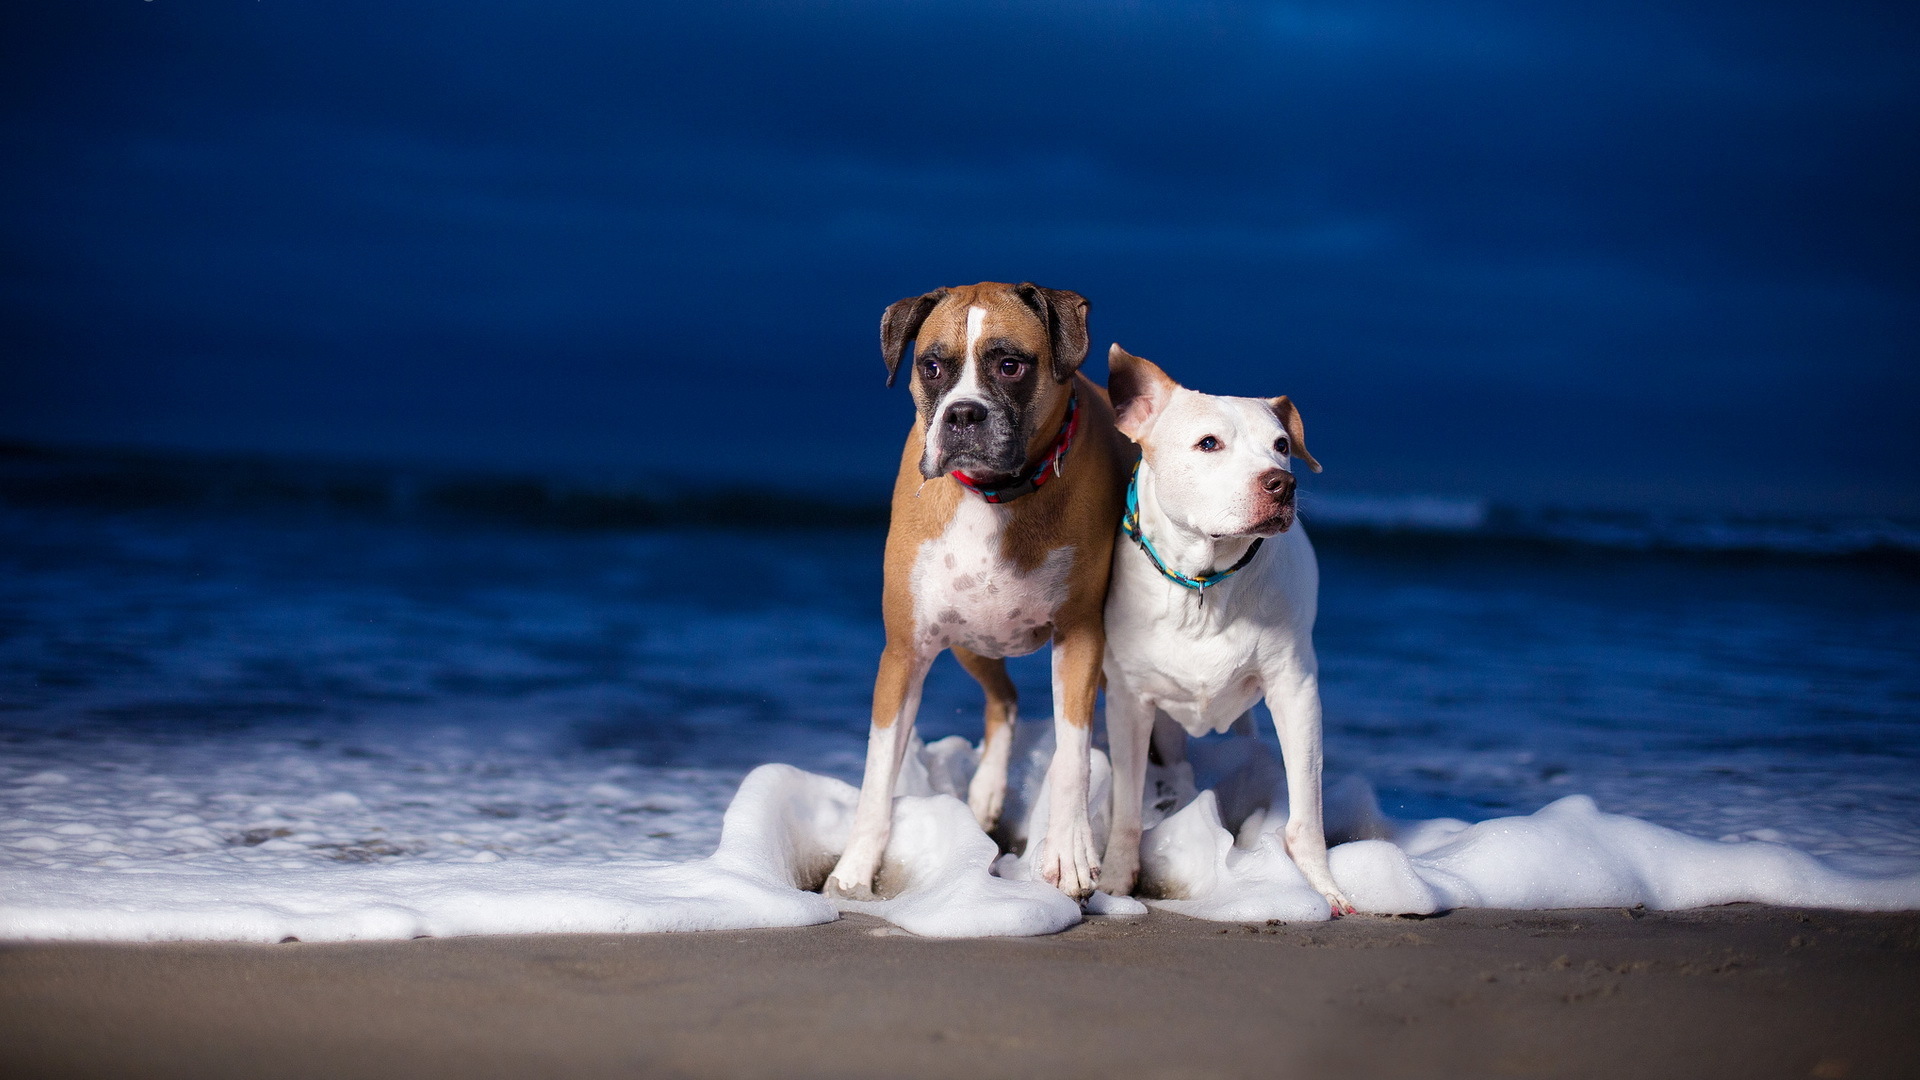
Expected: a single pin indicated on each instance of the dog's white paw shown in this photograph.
(1120, 870)
(1337, 900)
(1068, 862)
(843, 889)
(986, 803)
(1308, 849)
(852, 877)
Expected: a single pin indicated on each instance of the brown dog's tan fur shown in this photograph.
(1078, 510)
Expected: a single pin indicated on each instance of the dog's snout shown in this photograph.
(966, 414)
(1277, 482)
(974, 436)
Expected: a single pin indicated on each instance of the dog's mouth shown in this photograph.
(1268, 527)
(986, 470)
(976, 467)
(1280, 522)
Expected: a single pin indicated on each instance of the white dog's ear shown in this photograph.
(1296, 431)
(1139, 391)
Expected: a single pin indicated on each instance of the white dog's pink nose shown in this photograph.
(1278, 482)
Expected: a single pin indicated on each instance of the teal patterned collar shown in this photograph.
(1131, 525)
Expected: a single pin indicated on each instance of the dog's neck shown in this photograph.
(1184, 550)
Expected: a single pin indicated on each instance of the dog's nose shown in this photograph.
(966, 414)
(1277, 482)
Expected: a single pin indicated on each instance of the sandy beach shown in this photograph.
(1739, 991)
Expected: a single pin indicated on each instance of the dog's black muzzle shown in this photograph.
(978, 439)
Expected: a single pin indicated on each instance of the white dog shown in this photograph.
(1212, 600)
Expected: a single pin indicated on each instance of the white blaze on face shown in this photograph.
(976, 320)
(964, 387)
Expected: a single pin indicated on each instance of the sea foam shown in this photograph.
(942, 876)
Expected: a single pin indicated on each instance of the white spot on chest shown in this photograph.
(965, 594)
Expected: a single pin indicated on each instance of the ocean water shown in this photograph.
(205, 691)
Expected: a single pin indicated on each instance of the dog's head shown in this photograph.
(990, 371)
(1221, 465)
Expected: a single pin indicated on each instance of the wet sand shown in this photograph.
(1728, 992)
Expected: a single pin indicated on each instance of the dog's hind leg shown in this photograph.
(1293, 695)
(896, 701)
(1169, 745)
(1130, 730)
(988, 791)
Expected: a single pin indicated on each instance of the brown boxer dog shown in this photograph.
(1010, 490)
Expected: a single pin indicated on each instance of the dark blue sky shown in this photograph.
(1576, 252)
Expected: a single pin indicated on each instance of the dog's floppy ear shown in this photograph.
(1139, 391)
(1065, 314)
(1296, 431)
(900, 324)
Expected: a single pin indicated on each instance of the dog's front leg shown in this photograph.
(1068, 859)
(1129, 730)
(1293, 696)
(896, 700)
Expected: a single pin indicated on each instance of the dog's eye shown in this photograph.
(1207, 445)
(1280, 446)
(1012, 369)
(930, 369)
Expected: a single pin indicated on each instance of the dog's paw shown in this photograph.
(844, 889)
(986, 803)
(1336, 900)
(1068, 862)
(852, 878)
(1308, 850)
(1120, 871)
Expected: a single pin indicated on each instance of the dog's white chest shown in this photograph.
(966, 594)
(1203, 683)
(1205, 659)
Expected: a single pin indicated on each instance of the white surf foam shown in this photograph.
(1569, 854)
(82, 865)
